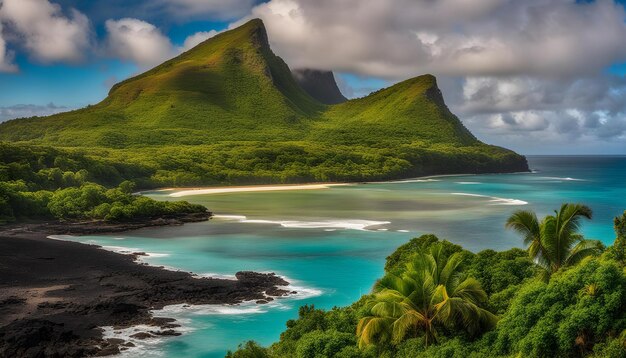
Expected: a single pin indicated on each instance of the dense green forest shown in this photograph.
(45, 183)
(562, 297)
(229, 112)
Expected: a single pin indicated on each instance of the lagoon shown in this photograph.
(331, 243)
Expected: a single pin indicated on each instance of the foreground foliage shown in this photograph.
(579, 310)
(555, 242)
(431, 295)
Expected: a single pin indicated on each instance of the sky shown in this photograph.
(536, 76)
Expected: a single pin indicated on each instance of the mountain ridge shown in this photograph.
(230, 111)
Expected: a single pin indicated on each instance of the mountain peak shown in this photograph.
(257, 32)
(228, 66)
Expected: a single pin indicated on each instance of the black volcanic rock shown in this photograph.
(320, 85)
(53, 308)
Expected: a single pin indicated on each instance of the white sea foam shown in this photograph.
(428, 180)
(468, 182)
(156, 254)
(133, 250)
(139, 258)
(121, 249)
(302, 292)
(119, 238)
(148, 347)
(350, 224)
(61, 237)
(494, 200)
(118, 249)
(402, 230)
(214, 310)
(247, 307)
(331, 224)
(563, 179)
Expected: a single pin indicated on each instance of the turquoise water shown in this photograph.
(332, 243)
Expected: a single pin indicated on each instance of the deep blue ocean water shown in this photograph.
(332, 243)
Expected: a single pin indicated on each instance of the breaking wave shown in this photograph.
(494, 200)
(354, 224)
(564, 179)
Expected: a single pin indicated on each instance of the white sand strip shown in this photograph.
(251, 188)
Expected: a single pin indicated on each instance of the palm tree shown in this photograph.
(555, 242)
(430, 294)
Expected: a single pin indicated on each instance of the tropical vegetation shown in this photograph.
(48, 184)
(431, 295)
(578, 310)
(555, 242)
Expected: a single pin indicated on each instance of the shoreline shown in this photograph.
(98, 226)
(184, 192)
(60, 293)
(257, 188)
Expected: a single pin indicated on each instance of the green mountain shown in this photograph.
(230, 111)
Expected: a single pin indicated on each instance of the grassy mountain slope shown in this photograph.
(229, 83)
(230, 111)
(409, 112)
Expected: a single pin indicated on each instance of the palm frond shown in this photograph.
(372, 329)
(407, 323)
(583, 249)
(526, 224)
(450, 268)
(431, 293)
(570, 216)
(470, 290)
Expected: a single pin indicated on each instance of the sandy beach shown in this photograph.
(177, 192)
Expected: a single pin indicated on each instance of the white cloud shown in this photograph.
(518, 121)
(530, 112)
(493, 94)
(402, 38)
(143, 43)
(137, 41)
(193, 40)
(45, 31)
(6, 57)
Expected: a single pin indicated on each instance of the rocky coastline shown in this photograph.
(55, 295)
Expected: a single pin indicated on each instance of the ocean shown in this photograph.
(331, 244)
